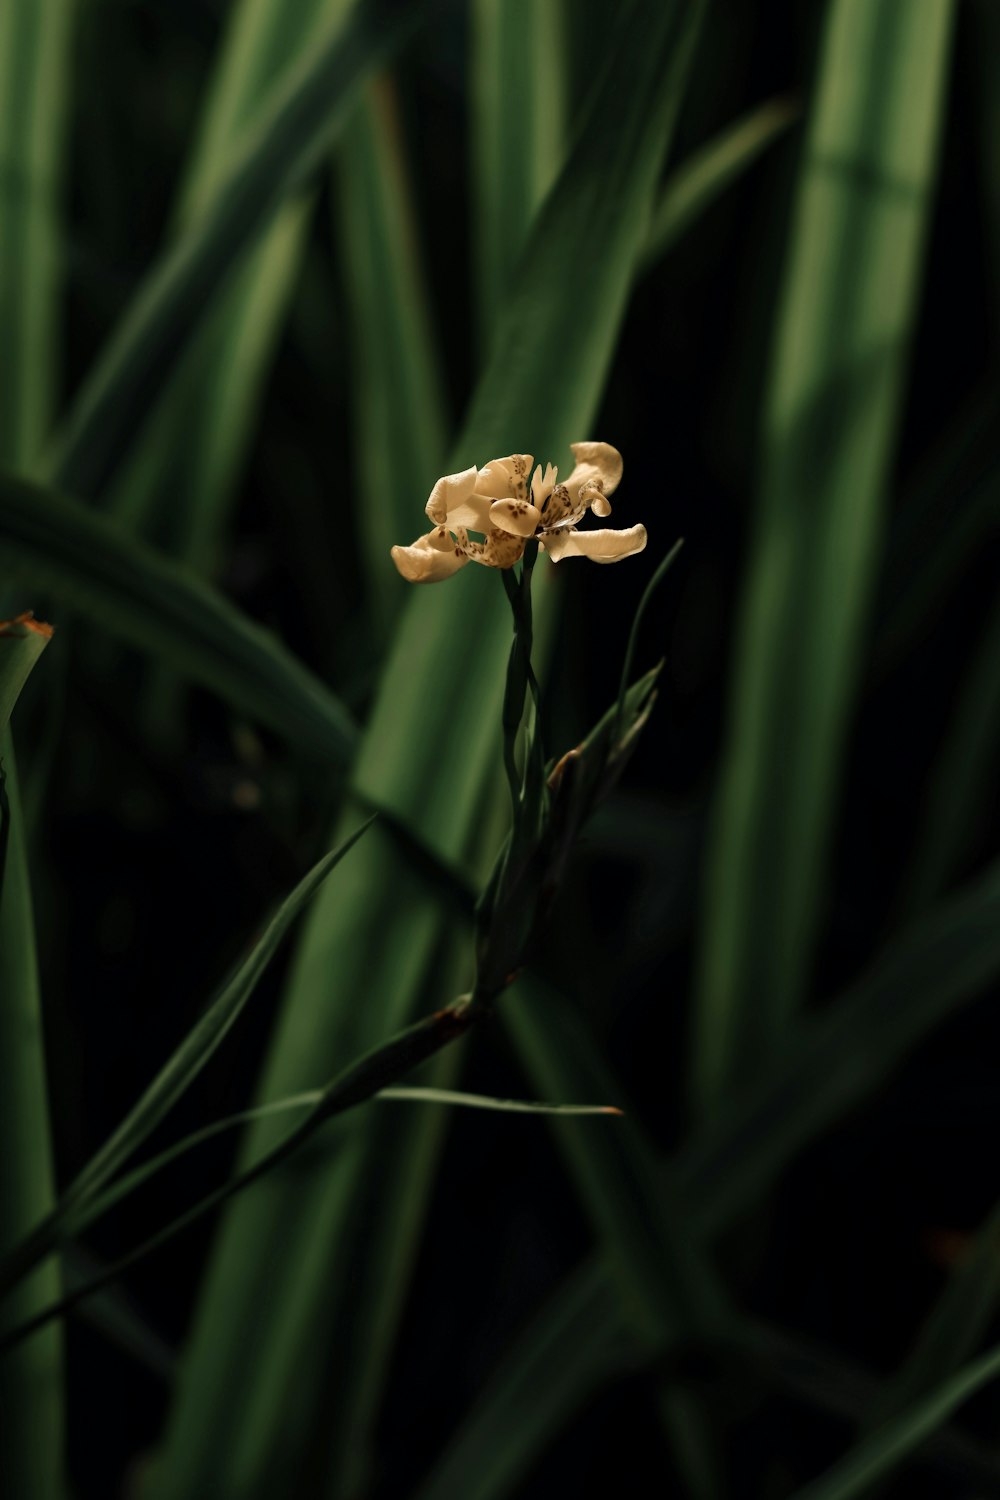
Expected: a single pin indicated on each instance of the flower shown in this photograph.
(493, 502)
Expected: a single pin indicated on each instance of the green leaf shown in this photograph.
(963, 778)
(146, 600)
(34, 50)
(701, 180)
(520, 93)
(188, 457)
(564, 1358)
(396, 384)
(22, 642)
(830, 1066)
(830, 418)
(34, 53)
(281, 150)
(952, 1330)
(432, 755)
(31, 1455)
(886, 1449)
(177, 1074)
(839, 1057)
(668, 1290)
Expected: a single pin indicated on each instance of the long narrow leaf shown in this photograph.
(831, 414)
(146, 600)
(283, 149)
(697, 183)
(180, 1071)
(964, 777)
(519, 101)
(399, 410)
(190, 452)
(835, 1063)
(887, 1448)
(31, 1450)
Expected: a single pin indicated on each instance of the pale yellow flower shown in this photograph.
(494, 502)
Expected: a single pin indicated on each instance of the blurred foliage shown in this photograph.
(267, 268)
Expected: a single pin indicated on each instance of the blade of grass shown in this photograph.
(949, 509)
(953, 1329)
(177, 1074)
(34, 53)
(179, 485)
(701, 180)
(34, 47)
(31, 1393)
(576, 1348)
(831, 413)
(886, 1449)
(518, 115)
(834, 1063)
(399, 410)
(668, 1290)
(147, 600)
(282, 149)
(964, 777)
(838, 1058)
(433, 759)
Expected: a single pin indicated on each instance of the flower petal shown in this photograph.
(542, 485)
(515, 516)
(597, 474)
(602, 545)
(505, 478)
(449, 492)
(425, 563)
(605, 462)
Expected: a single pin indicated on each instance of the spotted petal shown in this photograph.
(515, 516)
(505, 478)
(602, 545)
(425, 563)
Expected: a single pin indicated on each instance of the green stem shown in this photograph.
(363, 1079)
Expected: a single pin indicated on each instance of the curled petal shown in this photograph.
(598, 473)
(515, 516)
(505, 478)
(425, 563)
(591, 494)
(449, 493)
(605, 461)
(602, 545)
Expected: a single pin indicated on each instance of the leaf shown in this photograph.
(177, 1074)
(22, 642)
(146, 600)
(520, 93)
(280, 152)
(31, 1382)
(963, 777)
(34, 51)
(577, 1347)
(832, 1064)
(698, 182)
(837, 1058)
(418, 1095)
(397, 387)
(830, 418)
(886, 1449)
(433, 757)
